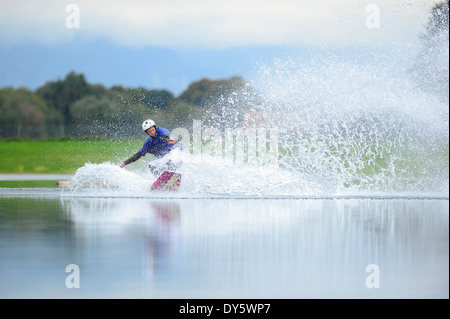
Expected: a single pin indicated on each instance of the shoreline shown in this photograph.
(33, 177)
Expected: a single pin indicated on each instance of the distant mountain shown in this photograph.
(102, 62)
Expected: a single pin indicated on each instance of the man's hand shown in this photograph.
(122, 164)
(171, 141)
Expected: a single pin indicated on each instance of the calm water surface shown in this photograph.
(223, 248)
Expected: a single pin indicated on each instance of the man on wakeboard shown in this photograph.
(159, 143)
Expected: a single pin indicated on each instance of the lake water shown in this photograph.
(57, 246)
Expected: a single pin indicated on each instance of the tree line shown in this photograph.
(85, 109)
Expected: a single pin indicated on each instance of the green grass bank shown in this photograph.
(63, 156)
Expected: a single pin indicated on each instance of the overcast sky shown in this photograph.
(212, 25)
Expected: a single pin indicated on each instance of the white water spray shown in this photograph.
(344, 129)
(353, 126)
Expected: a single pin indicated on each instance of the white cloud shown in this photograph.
(214, 23)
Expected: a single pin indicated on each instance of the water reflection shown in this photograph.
(222, 248)
(134, 239)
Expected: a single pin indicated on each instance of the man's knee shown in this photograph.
(154, 170)
(172, 166)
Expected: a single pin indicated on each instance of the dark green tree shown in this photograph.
(116, 113)
(25, 110)
(224, 101)
(437, 23)
(151, 98)
(61, 94)
(431, 68)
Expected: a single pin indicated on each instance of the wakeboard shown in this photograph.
(167, 181)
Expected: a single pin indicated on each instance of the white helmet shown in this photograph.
(147, 124)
